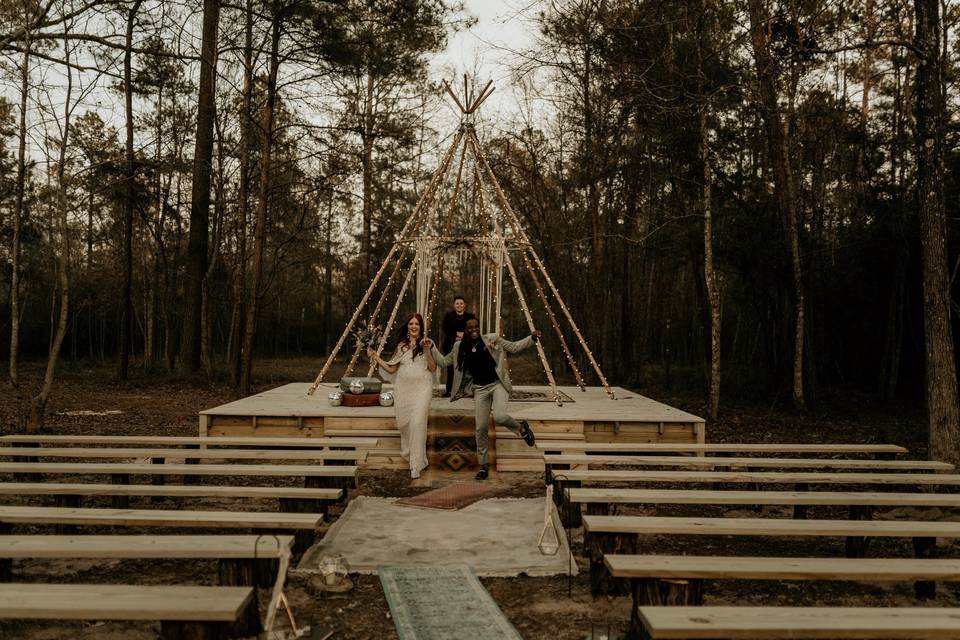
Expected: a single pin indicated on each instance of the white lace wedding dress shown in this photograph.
(412, 392)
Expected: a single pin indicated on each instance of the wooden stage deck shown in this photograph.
(288, 411)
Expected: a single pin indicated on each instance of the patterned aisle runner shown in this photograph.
(442, 603)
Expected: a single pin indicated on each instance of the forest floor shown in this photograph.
(559, 608)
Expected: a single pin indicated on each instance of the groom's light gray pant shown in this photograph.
(491, 396)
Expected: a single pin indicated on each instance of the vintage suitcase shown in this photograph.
(360, 385)
(361, 400)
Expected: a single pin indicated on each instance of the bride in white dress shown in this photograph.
(413, 368)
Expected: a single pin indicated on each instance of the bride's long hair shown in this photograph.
(403, 335)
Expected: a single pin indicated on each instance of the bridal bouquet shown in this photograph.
(367, 335)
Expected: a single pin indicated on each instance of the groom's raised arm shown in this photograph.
(515, 346)
(441, 360)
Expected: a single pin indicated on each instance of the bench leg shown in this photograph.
(925, 548)
(660, 592)
(800, 510)
(569, 512)
(549, 469)
(67, 502)
(857, 545)
(313, 482)
(191, 479)
(239, 572)
(121, 502)
(302, 539)
(25, 477)
(160, 479)
(6, 564)
(601, 582)
(172, 630)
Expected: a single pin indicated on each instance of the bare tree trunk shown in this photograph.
(328, 277)
(260, 229)
(197, 245)
(778, 139)
(18, 218)
(366, 160)
(129, 202)
(246, 131)
(38, 409)
(206, 329)
(943, 408)
(709, 272)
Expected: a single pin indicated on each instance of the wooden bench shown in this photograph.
(183, 611)
(768, 623)
(159, 455)
(561, 446)
(192, 441)
(583, 461)
(600, 501)
(131, 468)
(290, 499)
(618, 534)
(243, 560)
(10, 515)
(573, 478)
(678, 580)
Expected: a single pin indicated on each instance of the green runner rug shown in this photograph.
(442, 603)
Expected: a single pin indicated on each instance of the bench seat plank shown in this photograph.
(754, 568)
(559, 445)
(759, 477)
(801, 622)
(159, 518)
(773, 463)
(211, 454)
(809, 498)
(210, 441)
(92, 468)
(143, 546)
(769, 527)
(122, 602)
(169, 490)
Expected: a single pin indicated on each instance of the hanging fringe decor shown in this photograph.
(425, 262)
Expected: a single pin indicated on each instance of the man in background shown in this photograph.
(454, 324)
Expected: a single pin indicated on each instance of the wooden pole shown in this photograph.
(482, 97)
(393, 313)
(373, 316)
(454, 96)
(553, 319)
(424, 201)
(432, 300)
(518, 228)
(530, 325)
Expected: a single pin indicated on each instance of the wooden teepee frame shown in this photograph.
(501, 234)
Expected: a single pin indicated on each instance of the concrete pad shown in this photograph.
(496, 537)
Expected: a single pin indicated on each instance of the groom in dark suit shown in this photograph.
(479, 366)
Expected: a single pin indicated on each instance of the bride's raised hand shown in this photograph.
(371, 353)
(427, 343)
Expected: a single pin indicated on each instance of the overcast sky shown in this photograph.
(485, 50)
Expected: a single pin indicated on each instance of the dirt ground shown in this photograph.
(559, 608)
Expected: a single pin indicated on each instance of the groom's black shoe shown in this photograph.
(483, 474)
(527, 433)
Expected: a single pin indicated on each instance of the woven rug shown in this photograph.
(442, 603)
(496, 537)
(451, 497)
